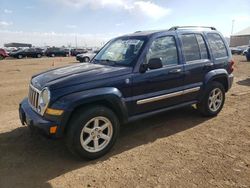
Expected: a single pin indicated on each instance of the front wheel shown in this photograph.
(213, 99)
(1, 57)
(92, 132)
(20, 56)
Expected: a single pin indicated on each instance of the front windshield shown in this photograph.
(120, 51)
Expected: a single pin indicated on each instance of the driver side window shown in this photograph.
(165, 49)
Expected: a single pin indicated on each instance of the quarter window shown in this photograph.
(217, 45)
(165, 49)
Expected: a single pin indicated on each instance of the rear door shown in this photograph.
(197, 62)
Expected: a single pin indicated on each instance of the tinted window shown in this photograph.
(202, 46)
(190, 47)
(165, 49)
(217, 45)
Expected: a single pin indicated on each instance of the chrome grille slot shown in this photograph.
(33, 97)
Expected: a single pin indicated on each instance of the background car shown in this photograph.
(29, 52)
(245, 51)
(3, 54)
(248, 54)
(75, 52)
(86, 57)
(53, 52)
(236, 50)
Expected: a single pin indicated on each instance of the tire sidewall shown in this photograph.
(212, 86)
(86, 59)
(78, 124)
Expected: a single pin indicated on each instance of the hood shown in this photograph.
(77, 74)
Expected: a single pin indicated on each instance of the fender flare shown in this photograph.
(218, 73)
(108, 95)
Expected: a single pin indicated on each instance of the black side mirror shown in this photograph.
(154, 63)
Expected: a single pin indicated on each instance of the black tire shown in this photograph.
(1, 57)
(38, 55)
(79, 121)
(52, 55)
(203, 105)
(20, 56)
(86, 59)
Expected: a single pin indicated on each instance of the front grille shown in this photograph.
(33, 96)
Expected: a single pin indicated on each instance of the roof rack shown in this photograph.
(182, 27)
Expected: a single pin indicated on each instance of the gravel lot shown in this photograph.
(173, 149)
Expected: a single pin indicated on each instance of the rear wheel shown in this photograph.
(52, 55)
(86, 59)
(213, 100)
(39, 56)
(92, 132)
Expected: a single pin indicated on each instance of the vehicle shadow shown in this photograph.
(245, 82)
(30, 160)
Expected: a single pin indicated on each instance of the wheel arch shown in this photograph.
(108, 97)
(219, 75)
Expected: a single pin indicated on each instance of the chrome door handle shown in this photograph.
(209, 64)
(175, 71)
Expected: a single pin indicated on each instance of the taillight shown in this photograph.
(231, 66)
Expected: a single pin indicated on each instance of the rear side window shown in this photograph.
(190, 47)
(217, 45)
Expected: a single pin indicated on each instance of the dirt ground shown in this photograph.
(173, 149)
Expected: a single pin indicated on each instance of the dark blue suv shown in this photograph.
(133, 76)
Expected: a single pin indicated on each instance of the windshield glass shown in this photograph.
(120, 51)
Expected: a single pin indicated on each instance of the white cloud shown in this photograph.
(7, 11)
(135, 7)
(54, 39)
(29, 7)
(4, 24)
(71, 26)
(241, 18)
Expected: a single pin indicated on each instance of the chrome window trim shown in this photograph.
(166, 96)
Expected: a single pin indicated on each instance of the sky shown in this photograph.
(94, 22)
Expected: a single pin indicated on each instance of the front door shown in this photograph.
(159, 88)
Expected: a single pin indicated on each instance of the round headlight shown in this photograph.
(45, 96)
(43, 100)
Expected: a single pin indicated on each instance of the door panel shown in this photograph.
(157, 83)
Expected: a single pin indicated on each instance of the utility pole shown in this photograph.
(232, 27)
(76, 40)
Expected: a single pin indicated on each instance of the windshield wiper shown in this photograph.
(106, 60)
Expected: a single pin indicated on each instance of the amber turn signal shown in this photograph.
(54, 112)
(52, 130)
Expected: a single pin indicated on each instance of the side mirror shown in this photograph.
(154, 63)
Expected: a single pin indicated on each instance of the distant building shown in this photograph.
(240, 38)
(17, 45)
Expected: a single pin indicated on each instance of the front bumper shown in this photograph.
(29, 117)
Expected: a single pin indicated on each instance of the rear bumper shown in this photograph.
(30, 118)
(230, 81)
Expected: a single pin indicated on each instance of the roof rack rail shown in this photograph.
(181, 27)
